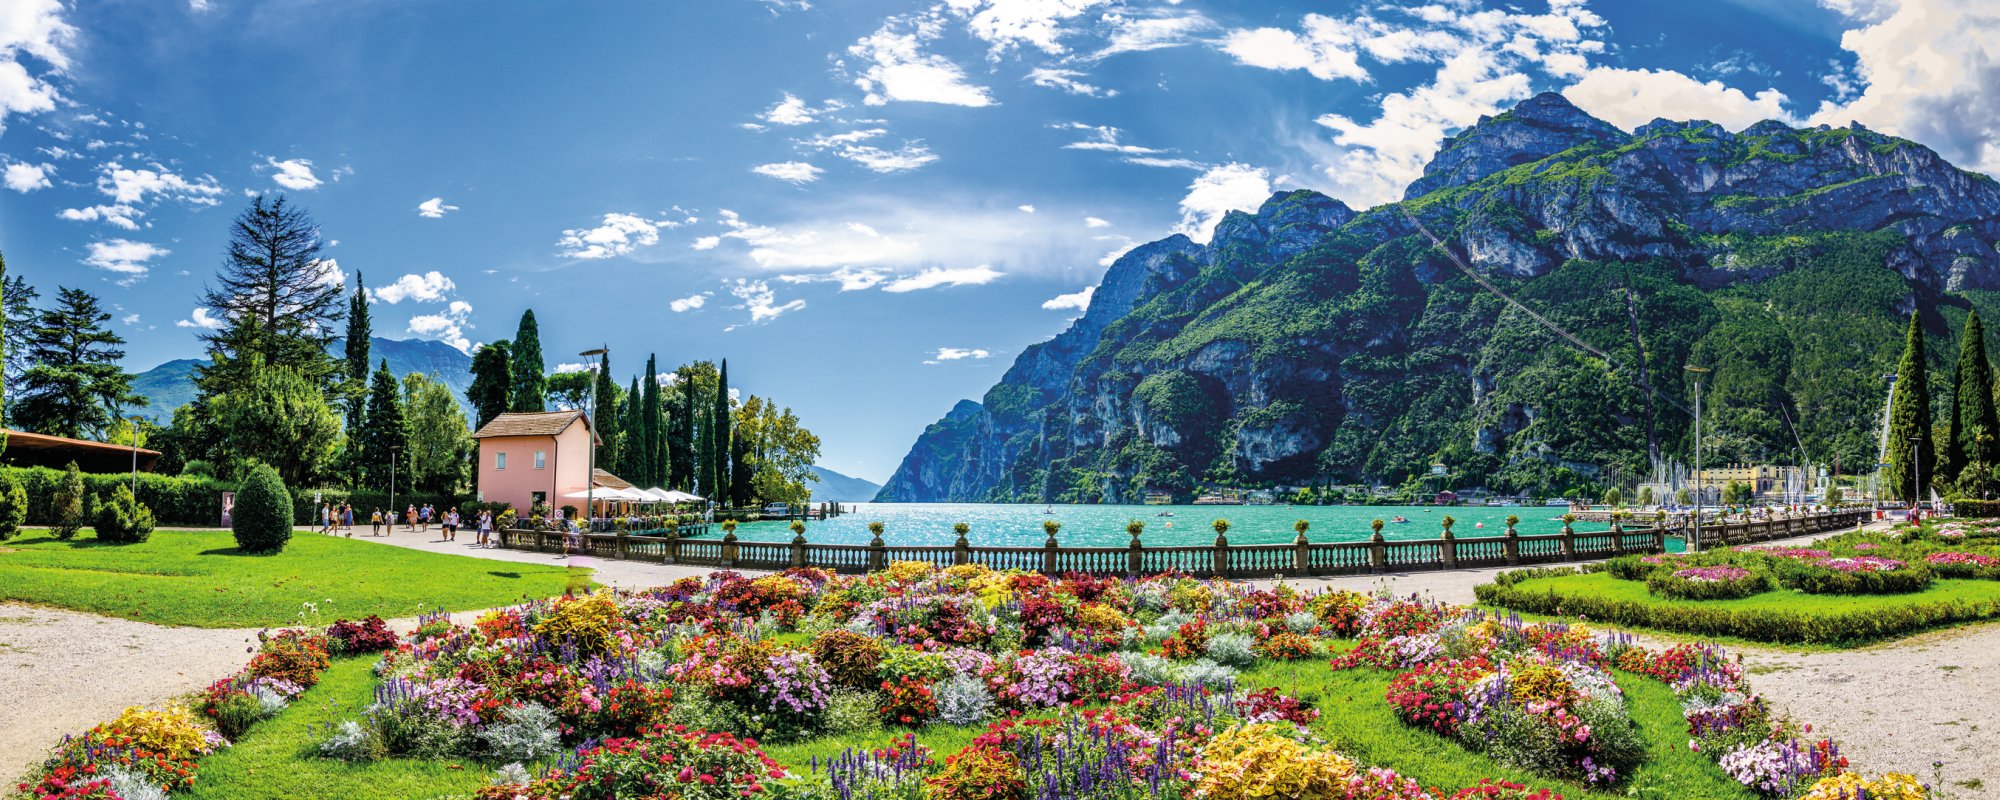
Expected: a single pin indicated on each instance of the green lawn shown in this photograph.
(1796, 620)
(199, 579)
(277, 760)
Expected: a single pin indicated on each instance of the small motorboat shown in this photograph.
(1164, 514)
(1400, 520)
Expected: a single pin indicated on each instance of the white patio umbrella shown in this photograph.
(678, 496)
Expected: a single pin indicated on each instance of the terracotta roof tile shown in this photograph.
(528, 423)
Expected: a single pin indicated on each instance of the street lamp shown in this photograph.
(135, 459)
(590, 435)
(1694, 539)
(393, 514)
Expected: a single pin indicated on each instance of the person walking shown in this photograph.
(375, 522)
(410, 518)
(486, 528)
(347, 518)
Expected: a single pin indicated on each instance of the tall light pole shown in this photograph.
(590, 436)
(135, 459)
(1917, 468)
(393, 513)
(1694, 539)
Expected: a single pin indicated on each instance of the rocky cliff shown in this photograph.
(1309, 343)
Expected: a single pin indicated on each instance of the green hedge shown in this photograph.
(178, 501)
(1976, 508)
(1758, 625)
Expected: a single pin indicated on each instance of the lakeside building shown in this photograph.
(528, 459)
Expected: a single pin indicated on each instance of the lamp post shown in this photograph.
(1694, 539)
(135, 459)
(393, 513)
(1917, 468)
(590, 436)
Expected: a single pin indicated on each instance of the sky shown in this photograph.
(868, 207)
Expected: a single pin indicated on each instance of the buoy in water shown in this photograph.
(1479, 524)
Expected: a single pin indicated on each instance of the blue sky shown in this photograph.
(868, 207)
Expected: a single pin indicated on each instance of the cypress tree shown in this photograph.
(1910, 448)
(528, 369)
(649, 421)
(492, 381)
(719, 442)
(630, 457)
(359, 331)
(382, 438)
(680, 433)
(604, 415)
(1974, 425)
(3, 380)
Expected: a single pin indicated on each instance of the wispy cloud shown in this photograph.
(618, 234)
(936, 277)
(944, 354)
(796, 172)
(123, 256)
(899, 70)
(293, 173)
(434, 208)
(1074, 301)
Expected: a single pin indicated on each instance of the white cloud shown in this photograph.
(1077, 301)
(1067, 80)
(1026, 208)
(32, 35)
(201, 319)
(1629, 98)
(434, 208)
(24, 177)
(1230, 187)
(617, 235)
(761, 301)
(1930, 71)
(295, 174)
(1325, 50)
(706, 243)
(1094, 222)
(1170, 163)
(851, 279)
(798, 172)
(430, 287)
(1104, 138)
(900, 71)
(129, 319)
(943, 276)
(793, 111)
(447, 326)
(133, 186)
(850, 146)
(575, 366)
(117, 215)
(123, 256)
(944, 354)
(1007, 24)
(690, 302)
(200, 5)
(330, 273)
(1135, 34)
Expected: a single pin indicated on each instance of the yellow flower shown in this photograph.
(1259, 761)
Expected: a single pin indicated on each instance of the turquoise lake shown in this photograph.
(1104, 526)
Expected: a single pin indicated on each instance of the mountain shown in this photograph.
(170, 385)
(833, 487)
(1309, 343)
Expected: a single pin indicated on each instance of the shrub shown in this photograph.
(1208, 674)
(589, 623)
(262, 519)
(851, 714)
(1721, 582)
(13, 505)
(978, 774)
(1232, 649)
(353, 741)
(1851, 575)
(370, 635)
(853, 660)
(525, 734)
(69, 502)
(1265, 761)
(964, 700)
(291, 656)
(122, 518)
(693, 765)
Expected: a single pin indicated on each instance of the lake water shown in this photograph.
(1104, 526)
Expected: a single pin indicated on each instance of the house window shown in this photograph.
(499, 460)
(541, 459)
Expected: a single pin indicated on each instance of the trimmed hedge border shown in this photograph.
(1975, 508)
(1762, 626)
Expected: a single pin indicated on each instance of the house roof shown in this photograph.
(608, 480)
(24, 447)
(531, 423)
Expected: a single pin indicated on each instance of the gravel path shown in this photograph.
(63, 671)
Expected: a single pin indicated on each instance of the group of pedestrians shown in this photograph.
(335, 518)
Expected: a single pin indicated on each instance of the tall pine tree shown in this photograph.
(529, 370)
(354, 380)
(384, 434)
(492, 377)
(719, 435)
(649, 420)
(633, 455)
(73, 386)
(280, 298)
(1910, 448)
(1970, 452)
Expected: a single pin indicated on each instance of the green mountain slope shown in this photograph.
(168, 386)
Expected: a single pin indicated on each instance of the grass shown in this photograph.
(200, 579)
(1602, 586)
(277, 759)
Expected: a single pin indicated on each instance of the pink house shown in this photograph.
(529, 458)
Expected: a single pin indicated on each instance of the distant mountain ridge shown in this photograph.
(170, 385)
(1308, 343)
(833, 487)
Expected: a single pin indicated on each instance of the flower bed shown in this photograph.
(1067, 688)
(1718, 582)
